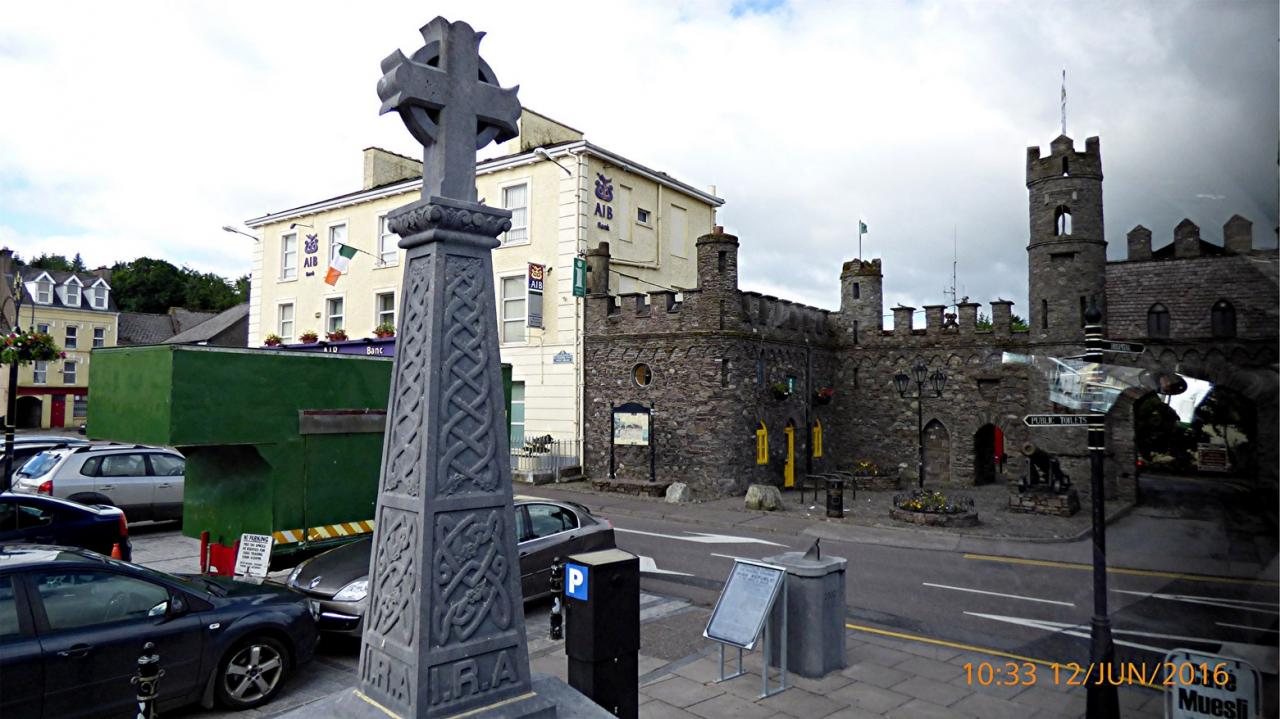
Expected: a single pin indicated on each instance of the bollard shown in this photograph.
(147, 680)
(835, 498)
(602, 628)
(557, 587)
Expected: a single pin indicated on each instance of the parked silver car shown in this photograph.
(146, 482)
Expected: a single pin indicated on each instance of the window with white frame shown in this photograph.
(98, 297)
(386, 243)
(516, 199)
(333, 310)
(69, 372)
(642, 216)
(72, 337)
(284, 320)
(679, 231)
(99, 336)
(73, 294)
(513, 308)
(337, 238)
(40, 373)
(384, 304)
(43, 328)
(44, 292)
(289, 256)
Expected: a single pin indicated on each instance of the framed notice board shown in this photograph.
(744, 603)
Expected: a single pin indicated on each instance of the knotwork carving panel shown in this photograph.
(467, 442)
(402, 470)
(470, 586)
(393, 598)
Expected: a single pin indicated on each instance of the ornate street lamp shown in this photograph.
(920, 374)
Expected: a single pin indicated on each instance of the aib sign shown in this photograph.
(575, 581)
(604, 193)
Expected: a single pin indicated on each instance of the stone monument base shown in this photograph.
(1044, 501)
(551, 698)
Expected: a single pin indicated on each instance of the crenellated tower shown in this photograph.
(1067, 252)
(861, 300)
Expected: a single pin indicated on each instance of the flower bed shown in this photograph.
(935, 509)
(870, 478)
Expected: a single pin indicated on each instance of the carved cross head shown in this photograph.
(450, 101)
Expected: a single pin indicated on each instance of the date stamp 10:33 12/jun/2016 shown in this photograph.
(1155, 675)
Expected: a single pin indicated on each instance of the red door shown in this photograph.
(58, 412)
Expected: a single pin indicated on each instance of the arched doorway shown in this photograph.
(988, 454)
(789, 469)
(29, 412)
(937, 453)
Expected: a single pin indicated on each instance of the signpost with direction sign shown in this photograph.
(1062, 420)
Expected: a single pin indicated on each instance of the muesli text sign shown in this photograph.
(1202, 685)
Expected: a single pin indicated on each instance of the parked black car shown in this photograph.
(545, 529)
(73, 623)
(34, 519)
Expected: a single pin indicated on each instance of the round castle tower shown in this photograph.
(861, 299)
(1067, 253)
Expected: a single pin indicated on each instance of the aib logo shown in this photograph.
(311, 245)
(604, 188)
(575, 581)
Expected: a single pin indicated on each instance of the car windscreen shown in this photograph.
(41, 464)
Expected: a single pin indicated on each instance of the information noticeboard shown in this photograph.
(631, 428)
(254, 556)
(744, 603)
(1203, 685)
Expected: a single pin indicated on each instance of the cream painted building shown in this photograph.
(566, 196)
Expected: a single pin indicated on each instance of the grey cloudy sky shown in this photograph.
(141, 128)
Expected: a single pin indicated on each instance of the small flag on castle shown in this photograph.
(862, 230)
(338, 264)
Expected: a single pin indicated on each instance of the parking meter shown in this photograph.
(602, 628)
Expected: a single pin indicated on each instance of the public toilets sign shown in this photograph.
(1202, 685)
(575, 581)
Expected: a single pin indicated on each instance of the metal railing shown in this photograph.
(543, 453)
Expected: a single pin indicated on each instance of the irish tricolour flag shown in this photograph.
(338, 265)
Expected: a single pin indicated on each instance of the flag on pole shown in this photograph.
(862, 227)
(339, 263)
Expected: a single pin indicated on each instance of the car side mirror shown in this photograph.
(177, 606)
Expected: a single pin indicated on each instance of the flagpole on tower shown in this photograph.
(1064, 101)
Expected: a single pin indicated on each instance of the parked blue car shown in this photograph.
(26, 518)
(73, 624)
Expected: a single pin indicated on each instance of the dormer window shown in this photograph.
(72, 295)
(44, 292)
(97, 295)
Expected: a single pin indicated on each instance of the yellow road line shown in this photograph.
(971, 648)
(1123, 570)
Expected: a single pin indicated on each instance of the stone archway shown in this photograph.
(937, 453)
(988, 454)
(30, 412)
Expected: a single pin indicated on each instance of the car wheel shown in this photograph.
(252, 673)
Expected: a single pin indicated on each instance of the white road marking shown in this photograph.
(1246, 626)
(648, 565)
(734, 557)
(1242, 605)
(999, 594)
(1081, 631)
(702, 537)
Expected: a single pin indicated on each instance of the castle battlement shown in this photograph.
(1064, 161)
(941, 326)
(1237, 239)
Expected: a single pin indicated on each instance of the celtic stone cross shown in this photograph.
(444, 631)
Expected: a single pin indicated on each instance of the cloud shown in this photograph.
(143, 128)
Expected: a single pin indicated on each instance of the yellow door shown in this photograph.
(789, 474)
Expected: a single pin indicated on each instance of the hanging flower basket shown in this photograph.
(24, 347)
(384, 330)
(781, 390)
(308, 337)
(338, 335)
(272, 340)
(823, 395)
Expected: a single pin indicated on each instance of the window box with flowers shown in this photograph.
(338, 335)
(24, 347)
(823, 396)
(384, 330)
(309, 337)
(869, 477)
(272, 340)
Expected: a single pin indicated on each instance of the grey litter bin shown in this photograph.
(835, 497)
(815, 614)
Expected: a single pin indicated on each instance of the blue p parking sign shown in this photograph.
(575, 581)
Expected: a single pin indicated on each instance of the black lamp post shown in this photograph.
(11, 412)
(938, 380)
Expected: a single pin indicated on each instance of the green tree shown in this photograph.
(77, 264)
(207, 291)
(58, 263)
(1016, 323)
(147, 285)
(1159, 432)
